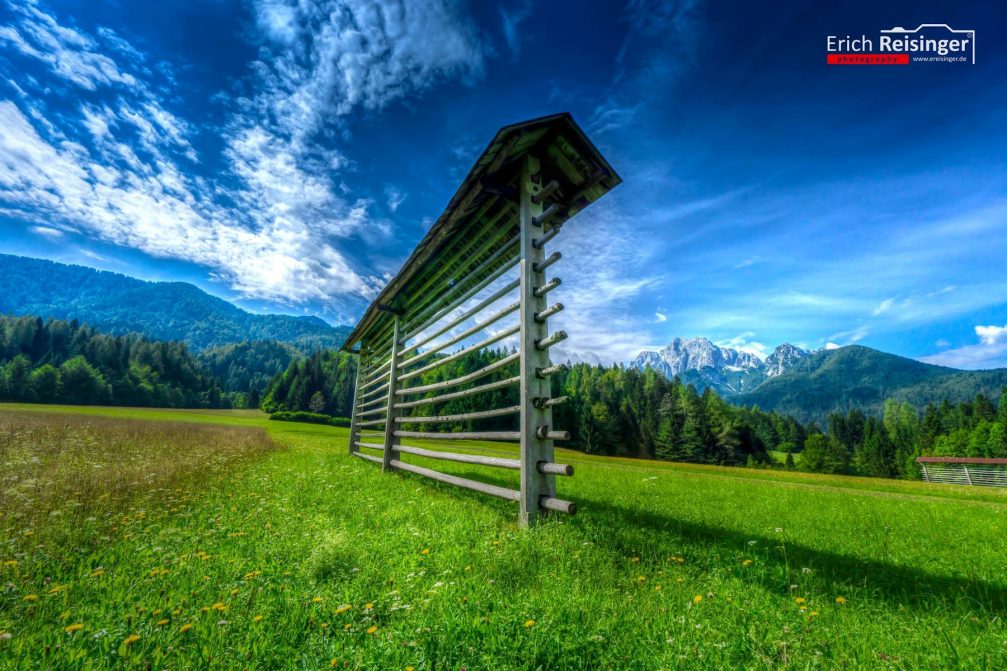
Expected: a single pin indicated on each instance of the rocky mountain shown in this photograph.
(857, 377)
(118, 304)
(726, 370)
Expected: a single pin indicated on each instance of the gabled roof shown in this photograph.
(487, 199)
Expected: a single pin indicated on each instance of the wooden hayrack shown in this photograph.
(532, 178)
(979, 471)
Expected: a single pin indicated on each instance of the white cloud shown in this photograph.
(831, 346)
(742, 343)
(660, 317)
(992, 335)
(884, 307)
(269, 226)
(991, 352)
(47, 232)
(395, 197)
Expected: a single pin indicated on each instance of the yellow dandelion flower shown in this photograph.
(131, 639)
(814, 612)
(528, 624)
(161, 623)
(634, 559)
(342, 609)
(10, 562)
(641, 578)
(76, 626)
(317, 599)
(468, 568)
(257, 618)
(185, 627)
(747, 562)
(325, 625)
(803, 608)
(697, 598)
(333, 663)
(371, 629)
(679, 579)
(409, 668)
(425, 551)
(30, 597)
(219, 606)
(234, 591)
(347, 626)
(368, 605)
(840, 600)
(657, 588)
(204, 609)
(800, 600)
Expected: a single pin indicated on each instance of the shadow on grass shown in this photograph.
(625, 531)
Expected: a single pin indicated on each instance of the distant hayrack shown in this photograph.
(533, 177)
(986, 472)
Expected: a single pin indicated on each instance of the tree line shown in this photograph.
(58, 361)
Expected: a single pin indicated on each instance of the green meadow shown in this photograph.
(217, 539)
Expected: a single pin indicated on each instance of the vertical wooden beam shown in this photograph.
(926, 473)
(356, 401)
(968, 476)
(534, 449)
(391, 413)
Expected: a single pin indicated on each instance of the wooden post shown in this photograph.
(968, 476)
(534, 388)
(926, 473)
(391, 413)
(356, 401)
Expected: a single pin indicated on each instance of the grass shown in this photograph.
(281, 551)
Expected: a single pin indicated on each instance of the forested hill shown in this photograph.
(118, 304)
(861, 378)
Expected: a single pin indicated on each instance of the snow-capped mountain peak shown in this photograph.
(725, 369)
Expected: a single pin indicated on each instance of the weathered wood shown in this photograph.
(468, 314)
(391, 440)
(550, 370)
(547, 214)
(509, 248)
(373, 422)
(492, 490)
(375, 411)
(534, 485)
(542, 265)
(543, 289)
(354, 414)
(549, 341)
(546, 191)
(550, 311)
(472, 435)
(555, 469)
(376, 392)
(467, 333)
(447, 384)
(465, 416)
(500, 384)
(368, 457)
(496, 462)
(371, 446)
(380, 377)
(559, 505)
(371, 402)
(540, 243)
(493, 339)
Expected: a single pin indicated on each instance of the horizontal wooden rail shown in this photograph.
(471, 435)
(475, 375)
(493, 490)
(466, 295)
(372, 392)
(379, 377)
(542, 265)
(370, 446)
(381, 399)
(496, 462)
(500, 384)
(467, 333)
(468, 314)
(375, 411)
(492, 340)
(559, 505)
(373, 422)
(482, 414)
(368, 457)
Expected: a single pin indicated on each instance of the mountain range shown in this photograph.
(809, 385)
(726, 370)
(118, 304)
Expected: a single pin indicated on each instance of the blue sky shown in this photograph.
(288, 156)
